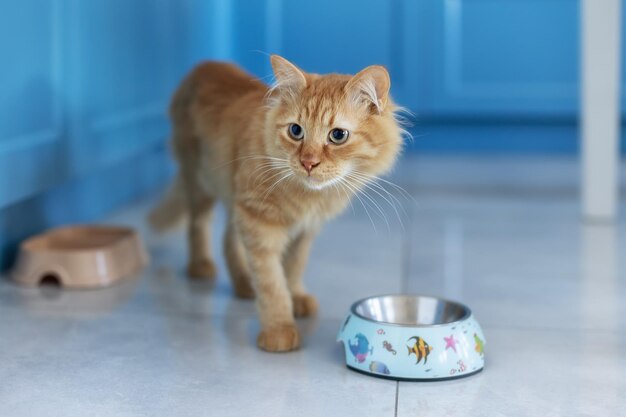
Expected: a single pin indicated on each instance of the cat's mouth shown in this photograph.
(317, 183)
(314, 183)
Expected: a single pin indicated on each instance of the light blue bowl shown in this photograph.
(412, 337)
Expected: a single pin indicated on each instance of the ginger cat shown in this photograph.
(282, 160)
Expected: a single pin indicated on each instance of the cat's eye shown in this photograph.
(295, 131)
(338, 136)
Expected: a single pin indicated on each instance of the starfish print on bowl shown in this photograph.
(451, 342)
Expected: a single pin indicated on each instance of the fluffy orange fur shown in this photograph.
(234, 142)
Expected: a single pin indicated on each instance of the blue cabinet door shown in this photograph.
(493, 57)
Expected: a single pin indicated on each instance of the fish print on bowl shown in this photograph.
(361, 348)
(420, 349)
(379, 368)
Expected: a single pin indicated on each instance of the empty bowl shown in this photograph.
(412, 337)
(80, 257)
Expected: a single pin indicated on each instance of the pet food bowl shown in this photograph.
(412, 337)
(80, 257)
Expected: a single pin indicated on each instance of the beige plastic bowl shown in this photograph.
(80, 257)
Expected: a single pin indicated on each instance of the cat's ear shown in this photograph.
(371, 85)
(288, 77)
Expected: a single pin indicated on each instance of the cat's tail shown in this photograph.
(170, 212)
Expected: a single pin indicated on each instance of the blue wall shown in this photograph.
(84, 84)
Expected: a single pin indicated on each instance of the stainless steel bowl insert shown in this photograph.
(410, 310)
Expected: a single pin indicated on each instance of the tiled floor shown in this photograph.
(503, 236)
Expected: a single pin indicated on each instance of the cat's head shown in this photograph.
(332, 129)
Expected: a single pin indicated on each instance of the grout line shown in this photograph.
(395, 413)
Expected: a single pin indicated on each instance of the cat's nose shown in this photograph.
(309, 163)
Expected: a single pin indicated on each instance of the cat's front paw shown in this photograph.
(279, 339)
(304, 305)
(202, 269)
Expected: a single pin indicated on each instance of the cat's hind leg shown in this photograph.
(237, 264)
(200, 205)
(201, 264)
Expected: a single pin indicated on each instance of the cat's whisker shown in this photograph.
(337, 186)
(379, 210)
(269, 191)
(346, 184)
(374, 183)
(366, 202)
(368, 186)
(263, 165)
(402, 191)
(271, 177)
(266, 167)
(356, 194)
(264, 176)
(247, 158)
(241, 158)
